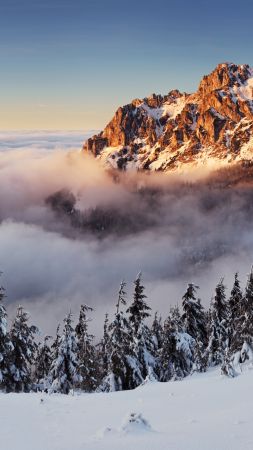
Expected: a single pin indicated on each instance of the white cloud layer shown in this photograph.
(185, 236)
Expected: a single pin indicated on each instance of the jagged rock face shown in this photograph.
(166, 132)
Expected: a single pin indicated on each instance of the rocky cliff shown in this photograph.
(167, 132)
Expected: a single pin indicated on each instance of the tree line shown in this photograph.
(131, 351)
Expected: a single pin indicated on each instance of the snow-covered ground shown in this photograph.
(202, 412)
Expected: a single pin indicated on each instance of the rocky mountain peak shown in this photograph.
(225, 75)
(166, 132)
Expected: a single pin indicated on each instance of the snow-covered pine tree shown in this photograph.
(102, 351)
(123, 366)
(121, 297)
(43, 363)
(218, 326)
(117, 348)
(227, 366)
(142, 343)
(23, 354)
(199, 356)
(138, 310)
(157, 338)
(106, 334)
(195, 325)
(235, 299)
(234, 340)
(235, 306)
(5, 345)
(157, 331)
(54, 355)
(176, 354)
(64, 369)
(87, 357)
(194, 318)
(168, 358)
(246, 327)
(55, 344)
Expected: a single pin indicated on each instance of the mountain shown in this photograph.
(178, 130)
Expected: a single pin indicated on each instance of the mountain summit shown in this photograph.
(167, 132)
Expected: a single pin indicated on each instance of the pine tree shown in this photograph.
(142, 344)
(103, 351)
(234, 340)
(227, 366)
(138, 310)
(121, 297)
(199, 356)
(64, 368)
(168, 358)
(123, 371)
(235, 299)
(246, 328)
(235, 305)
(193, 317)
(23, 355)
(5, 345)
(157, 332)
(118, 347)
(56, 343)
(54, 355)
(218, 326)
(43, 363)
(157, 341)
(87, 358)
(176, 354)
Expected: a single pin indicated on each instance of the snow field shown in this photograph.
(202, 412)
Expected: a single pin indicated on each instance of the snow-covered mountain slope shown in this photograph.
(204, 411)
(178, 130)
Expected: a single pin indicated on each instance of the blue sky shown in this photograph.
(69, 64)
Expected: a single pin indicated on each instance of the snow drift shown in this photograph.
(202, 411)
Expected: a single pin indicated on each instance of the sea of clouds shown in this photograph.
(185, 235)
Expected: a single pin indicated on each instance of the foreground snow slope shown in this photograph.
(201, 412)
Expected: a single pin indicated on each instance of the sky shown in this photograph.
(68, 64)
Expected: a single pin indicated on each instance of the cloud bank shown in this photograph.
(172, 229)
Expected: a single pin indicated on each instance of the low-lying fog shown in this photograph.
(61, 250)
